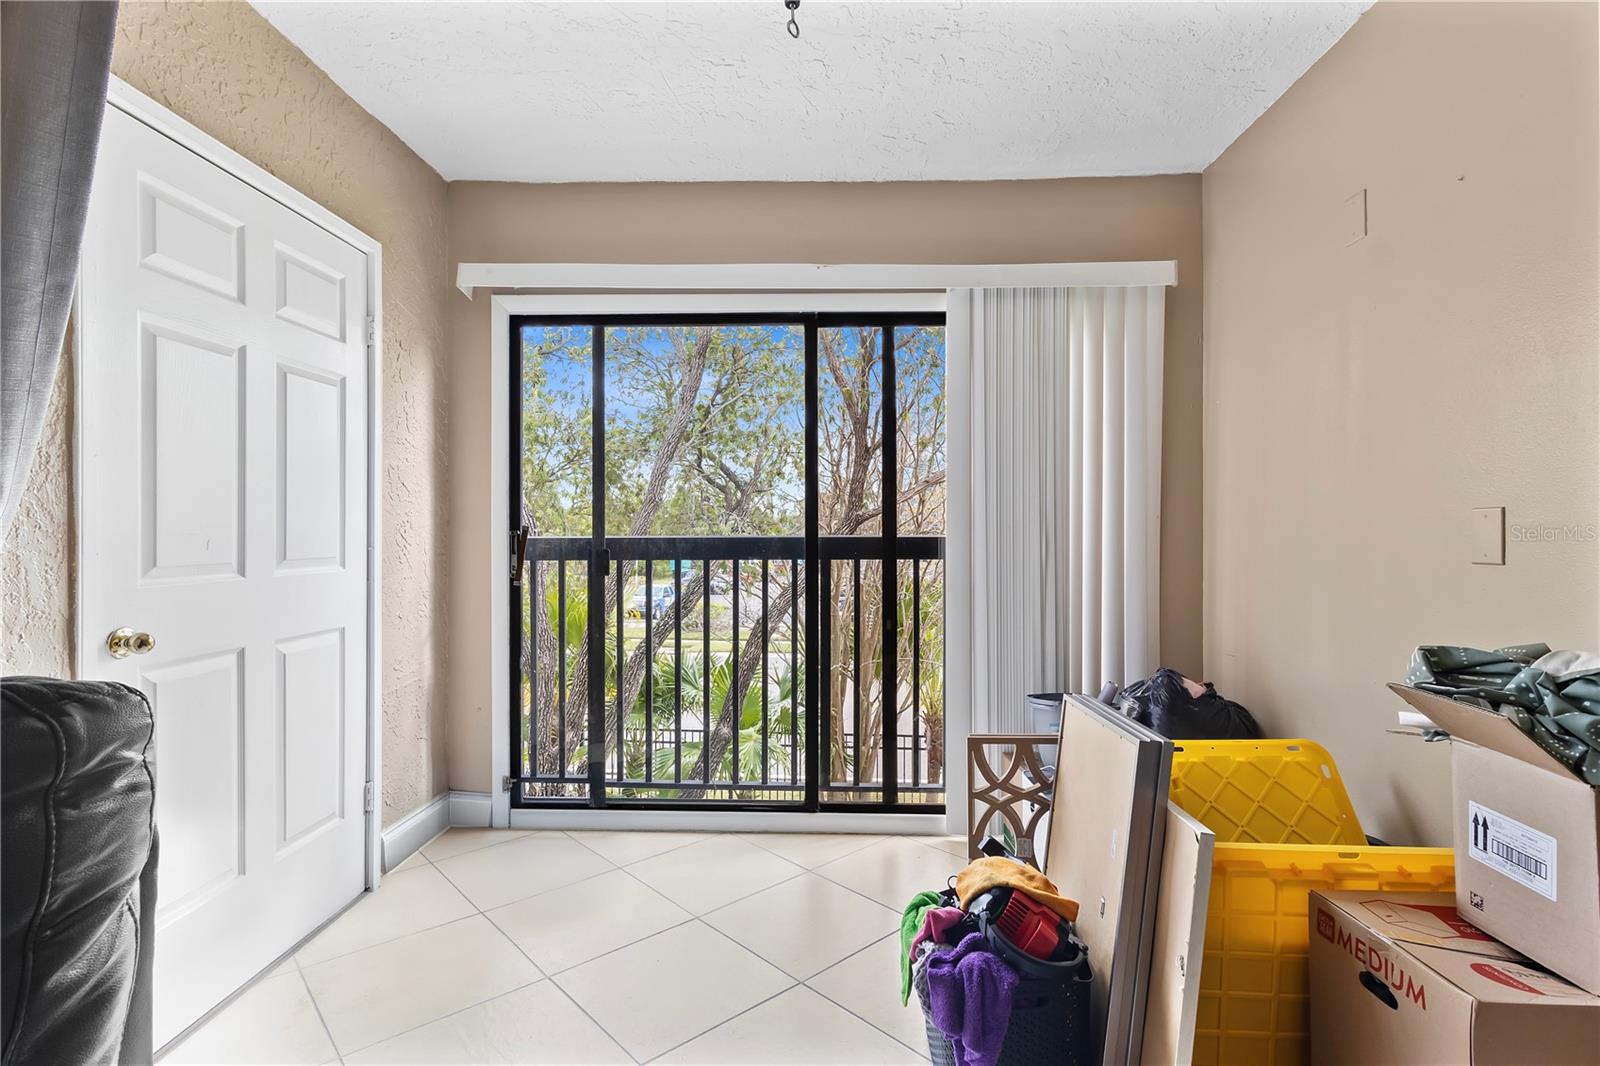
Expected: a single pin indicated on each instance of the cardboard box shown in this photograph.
(1527, 840)
(1401, 979)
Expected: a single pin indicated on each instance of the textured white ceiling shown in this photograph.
(552, 92)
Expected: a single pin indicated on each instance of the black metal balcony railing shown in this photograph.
(704, 668)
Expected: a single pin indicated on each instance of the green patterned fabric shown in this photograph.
(1553, 696)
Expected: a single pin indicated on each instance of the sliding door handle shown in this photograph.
(519, 552)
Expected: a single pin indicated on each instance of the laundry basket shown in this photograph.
(1050, 1021)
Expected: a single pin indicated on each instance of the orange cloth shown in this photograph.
(998, 872)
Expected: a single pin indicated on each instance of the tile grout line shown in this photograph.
(312, 996)
(846, 1007)
(619, 947)
(692, 915)
(854, 953)
(959, 858)
(430, 1021)
(442, 1017)
(857, 891)
(729, 937)
(477, 912)
(870, 839)
(851, 1011)
(402, 936)
(782, 991)
(518, 835)
(692, 918)
(543, 976)
(723, 906)
(612, 863)
(551, 976)
(771, 962)
(557, 985)
(553, 888)
(720, 906)
(795, 982)
(594, 1021)
(620, 865)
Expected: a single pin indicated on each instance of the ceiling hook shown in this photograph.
(793, 27)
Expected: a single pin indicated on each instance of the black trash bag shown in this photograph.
(1163, 703)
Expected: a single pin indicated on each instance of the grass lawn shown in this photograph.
(721, 639)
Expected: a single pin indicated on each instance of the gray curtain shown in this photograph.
(55, 59)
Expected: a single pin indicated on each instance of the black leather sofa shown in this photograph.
(78, 876)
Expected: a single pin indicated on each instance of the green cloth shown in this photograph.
(1554, 697)
(910, 926)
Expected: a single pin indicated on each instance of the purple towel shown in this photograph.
(969, 999)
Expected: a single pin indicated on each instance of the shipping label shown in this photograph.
(1512, 849)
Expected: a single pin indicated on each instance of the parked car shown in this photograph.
(660, 601)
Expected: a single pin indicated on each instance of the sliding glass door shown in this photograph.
(727, 587)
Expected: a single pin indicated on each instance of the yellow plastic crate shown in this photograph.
(1254, 975)
(1284, 826)
(1265, 792)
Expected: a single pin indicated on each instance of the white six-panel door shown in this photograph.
(222, 466)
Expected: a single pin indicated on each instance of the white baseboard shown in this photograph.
(726, 821)
(404, 837)
(469, 808)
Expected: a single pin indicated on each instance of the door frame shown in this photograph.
(911, 548)
(136, 105)
(503, 307)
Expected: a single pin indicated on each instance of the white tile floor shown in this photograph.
(498, 946)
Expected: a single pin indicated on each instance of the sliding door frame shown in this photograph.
(816, 689)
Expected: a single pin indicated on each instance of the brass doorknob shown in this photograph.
(125, 642)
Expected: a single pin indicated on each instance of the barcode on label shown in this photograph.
(1520, 858)
(1513, 849)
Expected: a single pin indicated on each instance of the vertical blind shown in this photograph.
(1055, 493)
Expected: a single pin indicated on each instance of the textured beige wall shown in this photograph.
(1361, 399)
(225, 69)
(1084, 219)
(36, 564)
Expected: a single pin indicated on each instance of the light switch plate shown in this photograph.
(1489, 536)
(1354, 219)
